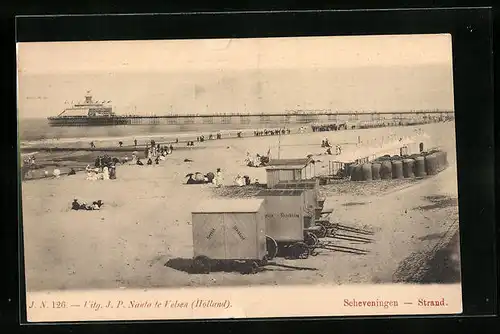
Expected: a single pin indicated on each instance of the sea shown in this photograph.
(30, 130)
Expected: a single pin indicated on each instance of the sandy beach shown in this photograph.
(142, 235)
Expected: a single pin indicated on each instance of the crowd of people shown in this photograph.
(96, 205)
(153, 152)
(198, 178)
(328, 127)
(271, 132)
(257, 160)
(104, 168)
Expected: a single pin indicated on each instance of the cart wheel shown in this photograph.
(250, 268)
(300, 250)
(310, 239)
(272, 248)
(201, 264)
(314, 252)
(322, 232)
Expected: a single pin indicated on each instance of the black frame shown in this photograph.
(471, 31)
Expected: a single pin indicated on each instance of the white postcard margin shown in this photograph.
(243, 302)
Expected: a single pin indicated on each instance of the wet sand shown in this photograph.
(142, 236)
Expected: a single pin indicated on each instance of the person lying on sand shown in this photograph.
(96, 205)
(191, 180)
(139, 162)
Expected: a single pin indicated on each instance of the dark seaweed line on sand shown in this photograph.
(414, 268)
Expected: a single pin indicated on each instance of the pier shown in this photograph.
(286, 117)
(283, 118)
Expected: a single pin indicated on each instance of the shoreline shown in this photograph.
(75, 144)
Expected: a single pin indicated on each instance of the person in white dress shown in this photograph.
(239, 181)
(218, 179)
(105, 173)
(56, 173)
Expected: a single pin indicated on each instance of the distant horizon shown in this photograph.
(256, 76)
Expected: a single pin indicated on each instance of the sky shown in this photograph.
(400, 72)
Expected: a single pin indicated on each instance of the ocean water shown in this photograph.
(39, 129)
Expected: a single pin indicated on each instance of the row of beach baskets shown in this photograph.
(397, 167)
(288, 220)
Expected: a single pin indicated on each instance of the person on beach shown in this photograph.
(112, 173)
(171, 148)
(150, 162)
(92, 145)
(239, 181)
(190, 179)
(120, 143)
(217, 181)
(56, 173)
(105, 173)
(135, 142)
(72, 172)
(75, 205)
(139, 162)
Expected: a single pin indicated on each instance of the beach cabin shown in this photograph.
(310, 197)
(285, 211)
(288, 170)
(229, 229)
